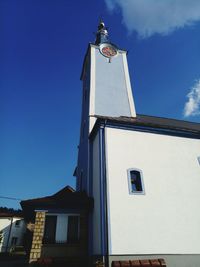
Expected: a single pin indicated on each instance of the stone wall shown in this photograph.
(37, 236)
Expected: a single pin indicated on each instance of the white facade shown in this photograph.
(166, 219)
(12, 230)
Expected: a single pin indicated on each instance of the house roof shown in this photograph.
(66, 198)
(155, 122)
(11, 215)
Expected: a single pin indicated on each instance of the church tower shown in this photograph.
(106, 68)
(106, 92)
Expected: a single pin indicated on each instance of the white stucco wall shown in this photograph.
(166, 219)
(16, 231)
(96, 194)
(110, 87)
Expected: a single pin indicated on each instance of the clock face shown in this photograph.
(108, 50)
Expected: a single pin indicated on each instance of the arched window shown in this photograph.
(135, 181)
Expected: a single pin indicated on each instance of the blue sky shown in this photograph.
(42, 47)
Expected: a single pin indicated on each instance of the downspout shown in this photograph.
(90, 234)
(9, 234)
(105, 194)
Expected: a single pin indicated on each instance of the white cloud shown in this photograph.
(148, 17)
(192, 106)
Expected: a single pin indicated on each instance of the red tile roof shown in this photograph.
(140, 263)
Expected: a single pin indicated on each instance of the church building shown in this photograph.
(137, 194)
(143, 172)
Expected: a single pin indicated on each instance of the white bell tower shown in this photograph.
(108, 83)
(106, 92)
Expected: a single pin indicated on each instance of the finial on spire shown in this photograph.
(102, 33)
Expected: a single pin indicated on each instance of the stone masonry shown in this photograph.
(37, 236)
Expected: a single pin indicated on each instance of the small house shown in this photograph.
(57, 225)
(12, 230)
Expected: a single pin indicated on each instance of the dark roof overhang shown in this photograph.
(153, 124)
(66, 199)
(11, 215)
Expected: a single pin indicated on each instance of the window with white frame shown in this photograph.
(61, 228)
(135, 181)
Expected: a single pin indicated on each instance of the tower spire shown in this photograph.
(102, 34)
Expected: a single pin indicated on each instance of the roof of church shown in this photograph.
(155, 122)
